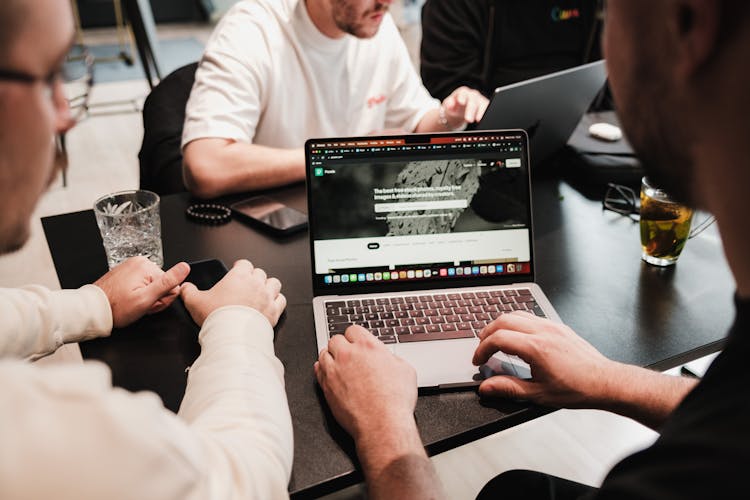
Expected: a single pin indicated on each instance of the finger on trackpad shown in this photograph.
(501, 364)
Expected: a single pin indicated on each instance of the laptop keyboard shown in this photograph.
(433, 316)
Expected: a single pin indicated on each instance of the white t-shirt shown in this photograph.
(268, 76)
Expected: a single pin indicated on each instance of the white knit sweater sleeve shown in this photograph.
(35, 321)
(66, 433)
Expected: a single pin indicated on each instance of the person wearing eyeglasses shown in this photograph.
(679, 76)
(65, 432)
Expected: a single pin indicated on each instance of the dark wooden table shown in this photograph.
(588, 262)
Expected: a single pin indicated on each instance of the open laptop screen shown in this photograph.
(417, 211)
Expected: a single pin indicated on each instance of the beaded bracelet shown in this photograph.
(209, 213)
(443, 119)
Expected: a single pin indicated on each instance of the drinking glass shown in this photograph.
(130, 225)
(665, 225)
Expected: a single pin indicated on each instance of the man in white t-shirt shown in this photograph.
(65, 432)
(277, 72)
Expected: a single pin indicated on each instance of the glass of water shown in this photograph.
(130, 225)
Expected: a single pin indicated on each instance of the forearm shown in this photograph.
(36, 321)
(214, 167)
(642, 394)
(71, 435)
(395, 464)
(235, 392)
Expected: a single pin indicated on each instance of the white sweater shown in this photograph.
(66, 433)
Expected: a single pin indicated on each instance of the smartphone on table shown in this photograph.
(269, 215)
(204, 274)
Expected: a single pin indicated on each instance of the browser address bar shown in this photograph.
(409, 206)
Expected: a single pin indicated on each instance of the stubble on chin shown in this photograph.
(344, 19)
(663, 148)
(15, 237)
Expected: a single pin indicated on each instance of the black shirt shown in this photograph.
(703, 451)
(484, 44)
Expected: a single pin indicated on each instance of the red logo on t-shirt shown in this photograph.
(375, 100)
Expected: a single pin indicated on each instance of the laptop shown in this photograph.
(423, 239)
(548, 107)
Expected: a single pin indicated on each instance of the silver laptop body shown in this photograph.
(423, 239)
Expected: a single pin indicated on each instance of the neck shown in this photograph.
(321, 14)
(721, 150)
(723, 192)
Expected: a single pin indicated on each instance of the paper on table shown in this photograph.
(699, 366)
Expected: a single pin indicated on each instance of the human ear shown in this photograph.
(695, 28)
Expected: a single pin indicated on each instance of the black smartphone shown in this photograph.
(270, 215)
(204, 274)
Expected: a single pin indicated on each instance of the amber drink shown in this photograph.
(665, 226)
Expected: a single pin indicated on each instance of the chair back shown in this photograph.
(163, 118)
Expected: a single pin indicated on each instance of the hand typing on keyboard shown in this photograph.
(433, 316)
(567, 371)
(354, 371)
(373, 393)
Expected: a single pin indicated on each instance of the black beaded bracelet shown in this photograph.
(209, 213)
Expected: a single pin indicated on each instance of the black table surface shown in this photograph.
(587, 261)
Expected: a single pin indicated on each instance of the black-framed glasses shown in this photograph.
(622, 200)
(18, 76)
(75, 77)
(78, 78)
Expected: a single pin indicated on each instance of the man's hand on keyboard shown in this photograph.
(365, 384)
(566, 370)
(372, 393)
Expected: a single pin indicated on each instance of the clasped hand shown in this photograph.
(138, 286)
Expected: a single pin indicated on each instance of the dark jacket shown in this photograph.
(484, 44)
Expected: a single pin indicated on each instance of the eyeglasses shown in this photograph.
(76, 78)
(622, 200)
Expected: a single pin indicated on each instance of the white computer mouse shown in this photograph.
(605, 132)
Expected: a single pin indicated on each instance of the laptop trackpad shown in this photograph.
(447, 363)
(441, 362)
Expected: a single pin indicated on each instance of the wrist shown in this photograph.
(237, 325)
(387, 441)
(446, 124)
(611, 390)
(642, 394)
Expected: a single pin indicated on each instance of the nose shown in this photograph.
(64, 121)
(63, 118)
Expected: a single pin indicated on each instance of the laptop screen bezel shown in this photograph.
(319, 288)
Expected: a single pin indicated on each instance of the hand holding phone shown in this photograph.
(244, 285)
(270, 215)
